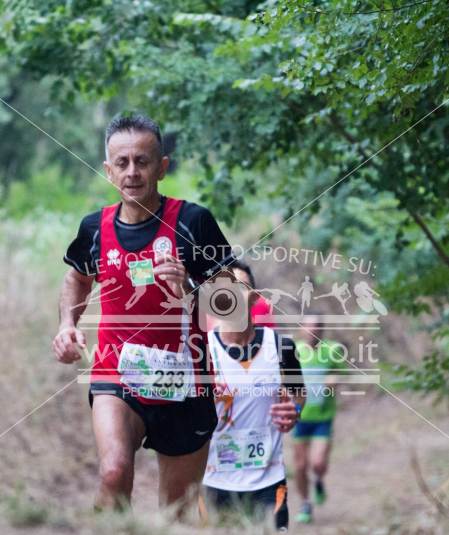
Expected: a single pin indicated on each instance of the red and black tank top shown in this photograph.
(132, 304)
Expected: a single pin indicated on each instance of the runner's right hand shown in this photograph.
(65, 344)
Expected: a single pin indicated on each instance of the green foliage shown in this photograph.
(280, 102)
(344, 84)
(53, 190)
(26, 149)
(182, 183)
(432, 374)
(431, 377)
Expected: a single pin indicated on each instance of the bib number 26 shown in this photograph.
(256, 450)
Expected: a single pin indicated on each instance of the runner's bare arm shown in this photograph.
(73, 301)
(293, 393)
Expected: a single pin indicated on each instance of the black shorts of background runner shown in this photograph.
(270, 500)
(176, 428)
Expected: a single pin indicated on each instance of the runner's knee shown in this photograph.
(301, 464)
(319, 466)
(115, 472)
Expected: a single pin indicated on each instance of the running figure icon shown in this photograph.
(341, 293)
(305, 291)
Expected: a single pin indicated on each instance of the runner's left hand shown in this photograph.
(172, 271)
(283, 414)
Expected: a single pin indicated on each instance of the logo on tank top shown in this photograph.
(162, 245)
(113, 257)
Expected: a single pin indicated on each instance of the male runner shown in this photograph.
(145, 380)
(259, 377)
(313, 432)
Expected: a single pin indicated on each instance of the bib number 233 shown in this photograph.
(155, 373)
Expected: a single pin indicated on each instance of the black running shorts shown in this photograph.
(176, 428)
(270, 500)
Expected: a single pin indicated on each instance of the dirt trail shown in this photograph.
(372, 489)
(50, 457)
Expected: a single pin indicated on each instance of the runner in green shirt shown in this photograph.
(320, 360)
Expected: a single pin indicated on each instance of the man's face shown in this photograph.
(135, 165)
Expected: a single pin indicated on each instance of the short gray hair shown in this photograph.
(133, 121)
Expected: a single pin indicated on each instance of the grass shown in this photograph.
(22, 511)
(52, 452)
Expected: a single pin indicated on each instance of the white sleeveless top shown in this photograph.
(246, 449)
